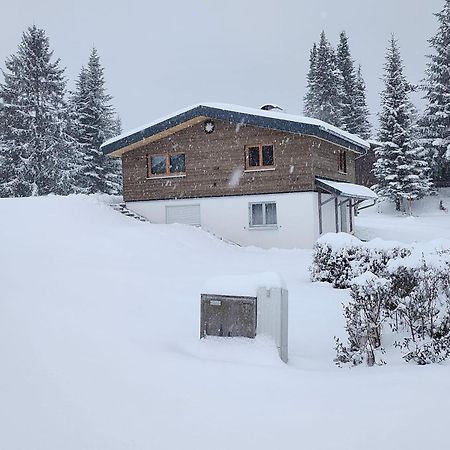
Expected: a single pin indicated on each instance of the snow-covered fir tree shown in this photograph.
(401, 167)
(436, 120)
(361, 124)
(354, 110)
(38, 156)
(310, 101)
(346, 67)
(96, 121)
(322, 98)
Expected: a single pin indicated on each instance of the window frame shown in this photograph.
(168, 173)
(260, 166)
(264, 225)
(342, 161)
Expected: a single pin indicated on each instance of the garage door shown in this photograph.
(186, 214)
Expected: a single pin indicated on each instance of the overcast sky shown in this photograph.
(162, 56)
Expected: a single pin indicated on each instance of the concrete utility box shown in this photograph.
(246, 306)
(225, 315)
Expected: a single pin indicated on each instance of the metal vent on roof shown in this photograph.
(271, 107)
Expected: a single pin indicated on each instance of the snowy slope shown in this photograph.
(99, 347)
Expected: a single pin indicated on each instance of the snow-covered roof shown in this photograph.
(240, 115)
(346, 189)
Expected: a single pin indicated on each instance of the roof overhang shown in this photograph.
(235, 115)
(343, 189)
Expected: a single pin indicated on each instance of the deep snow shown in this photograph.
(426, 222)
(99, 347)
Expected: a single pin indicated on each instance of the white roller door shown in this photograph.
(186, 214)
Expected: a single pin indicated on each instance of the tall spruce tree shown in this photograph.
(96, 122)
(401, 169)
(436, 120)
(346, 67)
(361, 124)
(322, 99)
(310, 100)
(38, 156)
(354, 112)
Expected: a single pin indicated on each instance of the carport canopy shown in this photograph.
(343, 189)
(342, 194)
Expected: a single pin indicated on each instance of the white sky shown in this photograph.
(162, 56)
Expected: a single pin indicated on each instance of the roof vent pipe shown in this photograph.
(271, 107)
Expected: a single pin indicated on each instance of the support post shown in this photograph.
(320, 213)
(336, 213)
(350, 212)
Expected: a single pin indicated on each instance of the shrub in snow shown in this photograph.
(412, 297)
(340, 257)
(334, 258)
(419, 306)
(364, 316)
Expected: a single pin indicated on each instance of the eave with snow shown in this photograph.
(238, 115)
(253, 176)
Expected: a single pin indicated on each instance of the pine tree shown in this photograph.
(96, 122)
(322, 98)
(361, 124)
(354, 110)
(37, 156)
(347, 90)
(310, 99)
(401, 169)
(436, 120)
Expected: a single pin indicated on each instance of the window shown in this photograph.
(258, 156)
(263, 214)
(342, 161)
(166, 165)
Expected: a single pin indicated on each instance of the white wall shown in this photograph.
(228, 217)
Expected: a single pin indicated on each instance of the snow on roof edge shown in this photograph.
(280, 115)
(352, 189)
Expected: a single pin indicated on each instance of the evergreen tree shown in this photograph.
(347, 90)
(95, 122)
(322, 98)
(401, 169)
(310, 100)
(354, 110)
(361, 124)
(436, 120)
(38, 157)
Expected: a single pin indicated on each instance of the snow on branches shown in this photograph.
(394, 288)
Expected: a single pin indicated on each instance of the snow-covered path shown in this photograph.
(99, 347)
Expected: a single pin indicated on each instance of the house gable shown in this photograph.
(234, 115)
(215, 163)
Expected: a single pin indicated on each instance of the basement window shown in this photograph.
(342, 161)
(166, 165)
(263, 215)
(258, 156)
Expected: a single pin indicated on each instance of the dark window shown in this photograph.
(257, 214)
(253, 156)
(263, 214)
(177, 163)
(267, 152)
(166, 165)
(271, 213)
(258, 156)
(158, 165)
(342, 161)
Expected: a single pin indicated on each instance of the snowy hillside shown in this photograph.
(99, 347)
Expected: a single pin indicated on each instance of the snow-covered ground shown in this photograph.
(99, 347)
(426, 222)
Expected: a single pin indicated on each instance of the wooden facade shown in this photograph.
(215, 163)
